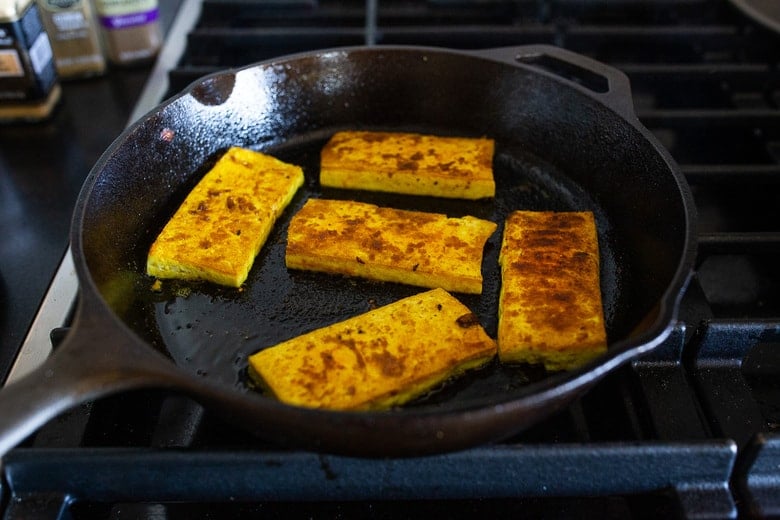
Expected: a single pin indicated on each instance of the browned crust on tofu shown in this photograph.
(224, 221)
(415, 164)
(379, 359)
(550, 308)
(386, 244)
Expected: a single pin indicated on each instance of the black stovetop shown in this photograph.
(687, 431)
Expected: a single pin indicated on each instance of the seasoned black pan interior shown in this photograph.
(558, 148)
(211, 330)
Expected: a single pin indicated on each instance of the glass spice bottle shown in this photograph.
(74, 37)
(130, 28)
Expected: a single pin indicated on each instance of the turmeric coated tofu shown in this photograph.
(550, 305)
(409, 163)
(379, 359)
(224, 221)
(390, 245)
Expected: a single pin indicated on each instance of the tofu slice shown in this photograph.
(550, 308)
(413, 164)
(390, 245)
(379, 359)
(225, 220)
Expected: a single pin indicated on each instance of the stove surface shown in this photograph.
(690, 430)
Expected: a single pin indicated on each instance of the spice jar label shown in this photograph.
(129, 20)
(10, 65)
(117, 14)
(41, 54)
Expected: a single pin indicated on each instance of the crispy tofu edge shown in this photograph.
(390, 400)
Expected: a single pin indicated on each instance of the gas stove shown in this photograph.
(689, 430)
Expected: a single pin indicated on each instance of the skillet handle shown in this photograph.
(608, 84)
(92, 361)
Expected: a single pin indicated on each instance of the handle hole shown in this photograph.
(574, 73)
(215, 90)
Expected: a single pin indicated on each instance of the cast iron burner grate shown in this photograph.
(687, 431)
(637, 446)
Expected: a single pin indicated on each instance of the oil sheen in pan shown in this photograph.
(210, 330)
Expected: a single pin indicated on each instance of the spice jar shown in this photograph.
(74, 37)
(29, 86)
(130, 28)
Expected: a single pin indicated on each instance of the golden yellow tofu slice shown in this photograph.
(408, 163)
(379, 359)
(550, 308)
(390, 245)
(224, 221)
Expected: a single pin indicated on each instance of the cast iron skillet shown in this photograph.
(567, 138)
